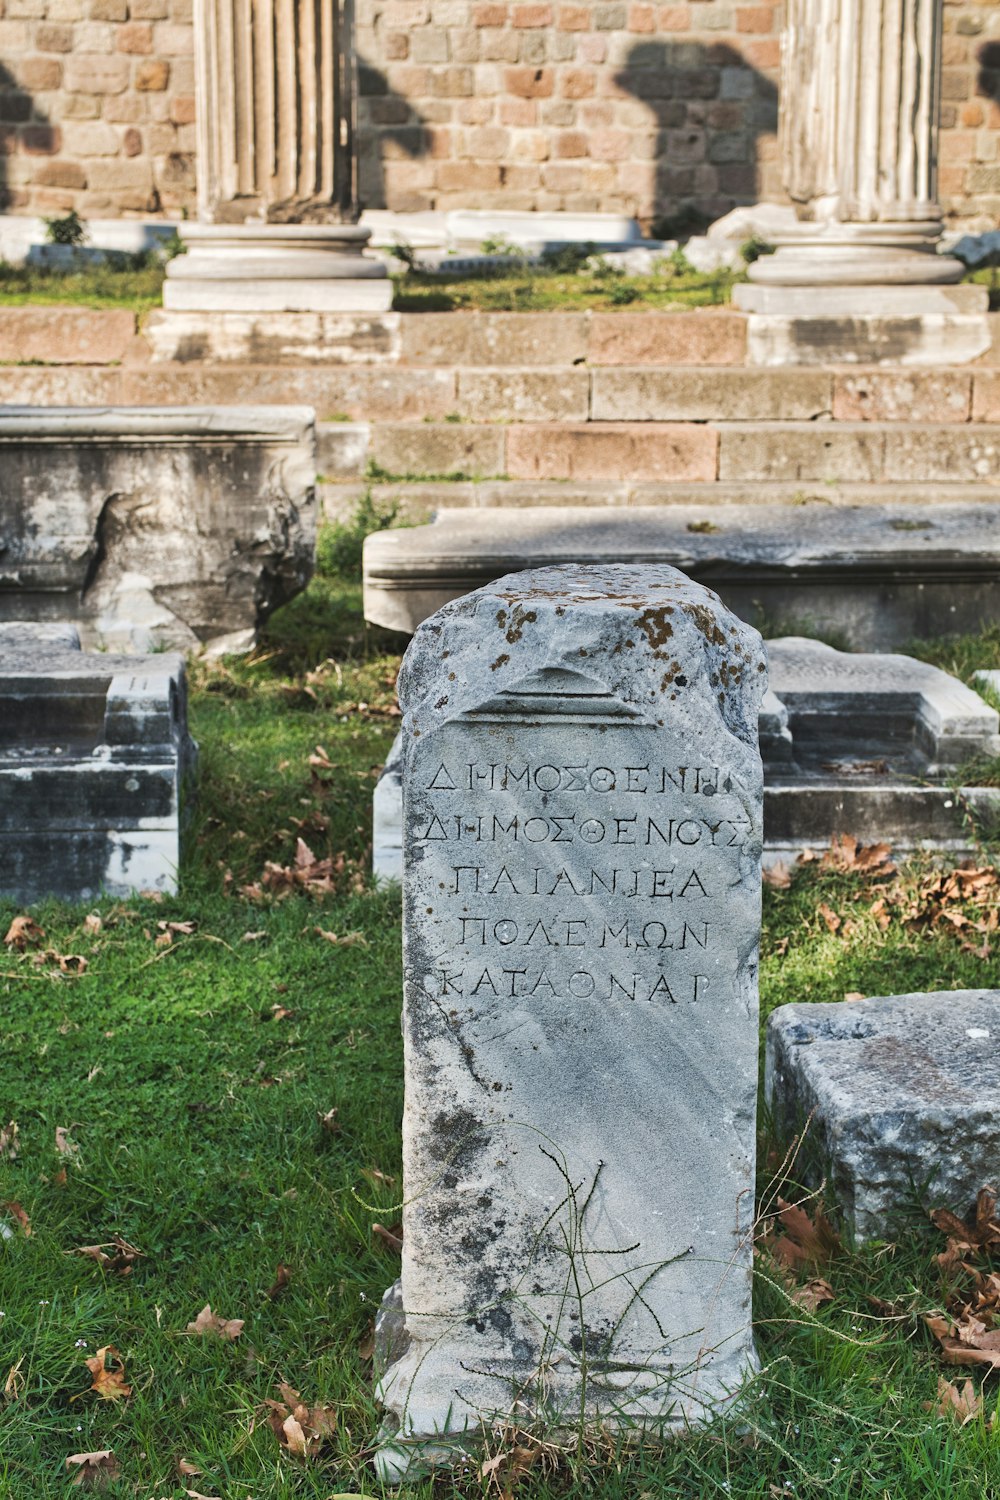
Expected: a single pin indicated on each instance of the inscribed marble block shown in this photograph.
(582, 841)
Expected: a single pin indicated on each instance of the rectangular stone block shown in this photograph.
(986, 395)
(902, 396)
(64, 335)
(683, 338)
(419, 448)
(182, 527)
(524, 395)
(359, 393)
(94, 755)
(969, 454)
(493, 338)
(273, 338)
(902, 1092)
(581, 921)
(827, 452)
(615, 451)
(684, 395)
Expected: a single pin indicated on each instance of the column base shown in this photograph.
(275, 268)
(836, 254)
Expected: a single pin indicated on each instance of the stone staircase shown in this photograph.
(516, 412)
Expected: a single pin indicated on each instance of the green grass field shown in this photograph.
(177, 1092)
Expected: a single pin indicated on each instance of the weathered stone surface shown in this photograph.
(651, 395)
(94, 754)
(524, 395)
(681, 338)
(850, 741)
(64, 335)
(302, 338)
(363, 393)
(877, 575)
(612, 450)
(342, 448)
(569, 1009)
(457, 338)
(834, 452)
(903, 396)
(157, 528)
(904, 1092)
(440, 449)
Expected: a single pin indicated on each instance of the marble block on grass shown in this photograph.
(904, 1093)
(94, 754)
(581, 895)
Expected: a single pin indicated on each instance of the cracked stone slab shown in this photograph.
(904, 1094)
(95, 756)
(876, 575)
(156, 527)
(582, 801)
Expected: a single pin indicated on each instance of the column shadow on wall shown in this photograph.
(22, 124)
(386, 118)
(708, 109)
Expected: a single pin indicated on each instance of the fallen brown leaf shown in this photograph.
(24, 932)
(123, 1259)
(209, 1322)
(282, 1277)
(962, 1403)
(13, 1386)
(392, 1237)
(829, 916)
(110, 1383)
(12, 1207)
(812, 1294)
(67, 1148)
(93, 923)
(778, 876)
(329, 1121)
(805, 1242)
(93, 1470)
(347, 940)
(10, 1142)
(300, 1429)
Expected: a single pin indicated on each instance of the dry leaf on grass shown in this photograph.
(966, 1342)
(93, 1470)
(813, 1294)
(960, 1402)
(829, 916)
(282, 1277)
(300, 1429)
(392, 1237)
(13, 1386)
(10, 1142)
(778, 876)
(353, 939)
(123, 1258)
(67, 1148)
(109, 1383)
(209, 1322)
(12, 1207)
(24, 932)
(848, 855)
(805, 1242)
(329, 1121)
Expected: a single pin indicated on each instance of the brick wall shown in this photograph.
(618, 105)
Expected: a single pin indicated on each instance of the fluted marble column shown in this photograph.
(859, 126)
(276, 107)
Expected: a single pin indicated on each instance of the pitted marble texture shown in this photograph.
(904, 1094)
(582, 838)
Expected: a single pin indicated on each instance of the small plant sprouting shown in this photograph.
(70, 229)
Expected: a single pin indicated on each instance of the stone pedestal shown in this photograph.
(582, 796)
(262, 268)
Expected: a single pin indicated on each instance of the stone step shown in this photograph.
(535, 393)
(418, 500)
(874, 576)
(671, 452)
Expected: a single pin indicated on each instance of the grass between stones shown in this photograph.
(191, 1065)
(117, 283)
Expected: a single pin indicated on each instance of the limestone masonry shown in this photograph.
(619, 105)
(582, 837)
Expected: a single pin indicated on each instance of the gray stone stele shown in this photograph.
(904, 1097)
(582, 842)
(95, 756)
